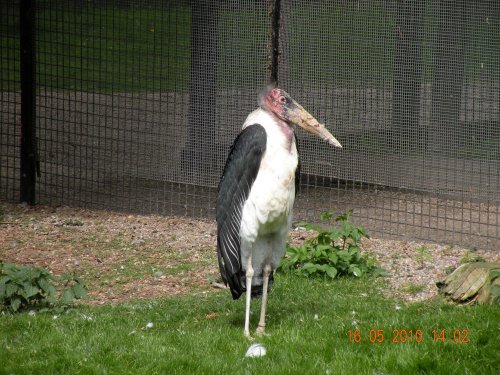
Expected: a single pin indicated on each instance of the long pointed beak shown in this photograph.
(299, 116)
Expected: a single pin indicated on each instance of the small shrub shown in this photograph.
(22, 287)
(333, 252)
(414, 288)
(422, 254)
(72, 223)
(449, 269)
(470, 257)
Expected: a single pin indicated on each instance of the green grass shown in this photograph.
(414, 288)
(184, 339)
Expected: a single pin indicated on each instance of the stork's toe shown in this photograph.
(248, 336)
(260, 331)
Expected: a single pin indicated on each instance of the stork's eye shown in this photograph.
(282, 100)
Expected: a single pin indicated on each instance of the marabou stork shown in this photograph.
(256, 195)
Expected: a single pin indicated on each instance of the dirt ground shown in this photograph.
(123, 256)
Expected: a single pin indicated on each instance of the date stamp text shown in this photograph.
(401, 336)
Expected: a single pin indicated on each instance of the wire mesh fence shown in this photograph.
(137, 104)
(9, 102)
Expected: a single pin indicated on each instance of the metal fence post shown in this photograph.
(275, 41)
(29, 161)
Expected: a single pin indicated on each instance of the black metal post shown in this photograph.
(28, 86)
(275, 40)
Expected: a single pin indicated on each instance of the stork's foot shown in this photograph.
(260, 331)
(248, 336)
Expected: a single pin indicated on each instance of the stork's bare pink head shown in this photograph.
(279, 103)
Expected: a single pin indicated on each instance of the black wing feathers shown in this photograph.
(240, 171)
(297, 171)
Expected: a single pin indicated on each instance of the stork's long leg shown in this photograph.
(249, 276)
(262, 321)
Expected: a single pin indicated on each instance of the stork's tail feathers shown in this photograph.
(237, 285)
(258, 289)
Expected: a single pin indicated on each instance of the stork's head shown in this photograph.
(277, 101)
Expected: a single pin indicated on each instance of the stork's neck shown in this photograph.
(287, 131)
(275, 127)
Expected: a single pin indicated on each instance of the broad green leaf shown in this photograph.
(15, 304)
(322, 267)
(10, 290)
(355, 234)
(34, 273)
(493, 275)
(331, 272)
(66, 277)
(292, 250)
(302, 251)
(317, 252)
(47, 287)
(310, 267)
(353, 249)
(77, 279)
(67, 297)
(29, 291)
(323, 239)
(326, 216)
(378, 271)
(495, 290)
(333, 258)
(325, 247)
(333, 234)
(344, 255)
(310, 226)
(79, 291)
(355, 271)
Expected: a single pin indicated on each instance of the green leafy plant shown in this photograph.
(414, 288)
(72, 223)
(470, 257)
(422, 254)
(333, 252)
(28, 286)
(495, 286)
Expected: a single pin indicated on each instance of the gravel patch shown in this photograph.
(125, 257)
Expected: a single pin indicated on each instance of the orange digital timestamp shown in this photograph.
(400, 336)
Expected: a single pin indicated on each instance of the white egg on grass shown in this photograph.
(256, 350)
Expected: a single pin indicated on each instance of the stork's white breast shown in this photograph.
(268, 208)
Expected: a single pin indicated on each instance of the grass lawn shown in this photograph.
(309, 323)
